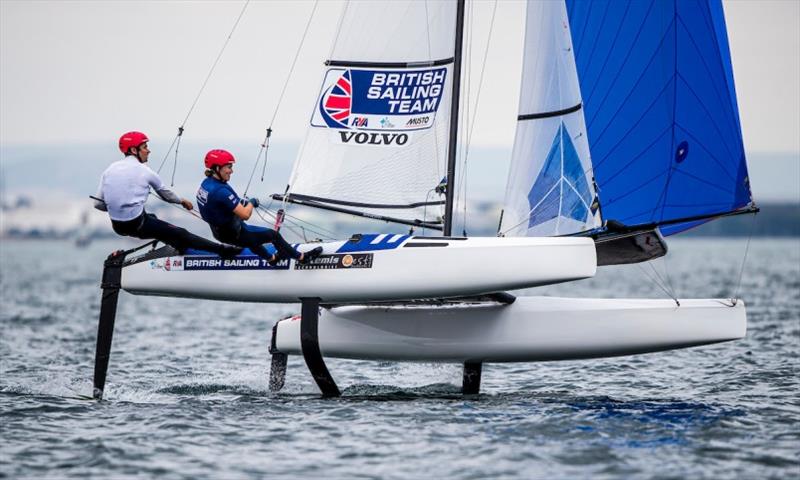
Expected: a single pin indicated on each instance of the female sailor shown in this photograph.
(225, 212)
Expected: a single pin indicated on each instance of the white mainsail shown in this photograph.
(550, 189)
(377, 136)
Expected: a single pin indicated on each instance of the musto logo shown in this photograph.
(367, 105)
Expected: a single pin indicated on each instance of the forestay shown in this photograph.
(377, 134)
(661, 111)
(550, 189)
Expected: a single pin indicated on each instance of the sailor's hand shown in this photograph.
(187, 204)
(254, 202)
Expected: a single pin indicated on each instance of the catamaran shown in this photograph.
(628, 131)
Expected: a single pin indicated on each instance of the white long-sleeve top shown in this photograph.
(124, 187)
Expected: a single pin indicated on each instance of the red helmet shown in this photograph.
(218, 158)
(131, 139)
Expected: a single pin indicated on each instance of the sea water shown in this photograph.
(187, 393)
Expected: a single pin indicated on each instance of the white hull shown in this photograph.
(530, 329)
(376, 268)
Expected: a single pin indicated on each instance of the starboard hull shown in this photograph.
(371, 268)
(530, 329)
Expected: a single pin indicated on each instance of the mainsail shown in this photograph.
(378, 132)
(661, 112)
(550, 189)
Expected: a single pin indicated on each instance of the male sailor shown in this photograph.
(124, 187)
(225, 213)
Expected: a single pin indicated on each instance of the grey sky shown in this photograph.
(86, 71)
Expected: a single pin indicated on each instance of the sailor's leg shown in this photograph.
(471, 384)
(268, 235)
(254, 238)
(112, 274)
(309, 342)
(177, 237)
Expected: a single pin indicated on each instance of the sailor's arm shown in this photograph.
(243, 210)
(166, 194)
(99, 200)
(170, 196)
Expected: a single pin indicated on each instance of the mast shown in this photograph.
(451, 150)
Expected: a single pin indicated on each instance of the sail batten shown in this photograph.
(420, 63)
(554, 113)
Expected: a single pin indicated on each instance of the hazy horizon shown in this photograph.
(775, 177)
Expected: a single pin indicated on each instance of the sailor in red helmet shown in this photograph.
(123, 191)
(225, 212)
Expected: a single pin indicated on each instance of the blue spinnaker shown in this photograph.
(660, 107)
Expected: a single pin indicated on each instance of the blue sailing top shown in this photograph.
(216, 201)
(660, 105)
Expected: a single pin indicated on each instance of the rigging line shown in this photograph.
(285, 226)
(541, 203)
(339, 28)
(169, 150)
(312, 227)
(175, 162)
(265, 143)
(735, 298)
(461, 194)
(662, 279)
(300, 153)
(437, 151)
(668, 277)
(646, 274)
(320, 229)
(477, 105)
(208, 77)
(175, 205)
(294, 62)
(425, 209)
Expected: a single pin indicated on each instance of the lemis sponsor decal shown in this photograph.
(338, 261)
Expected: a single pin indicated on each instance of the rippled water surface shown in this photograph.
(187, 393)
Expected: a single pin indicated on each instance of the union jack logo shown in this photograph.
(335, 106)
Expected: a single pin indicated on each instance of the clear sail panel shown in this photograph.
(550, 189)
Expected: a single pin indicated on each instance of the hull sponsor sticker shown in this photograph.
(168, 264)
(201, 262)
(338, 261)
(359, 100)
